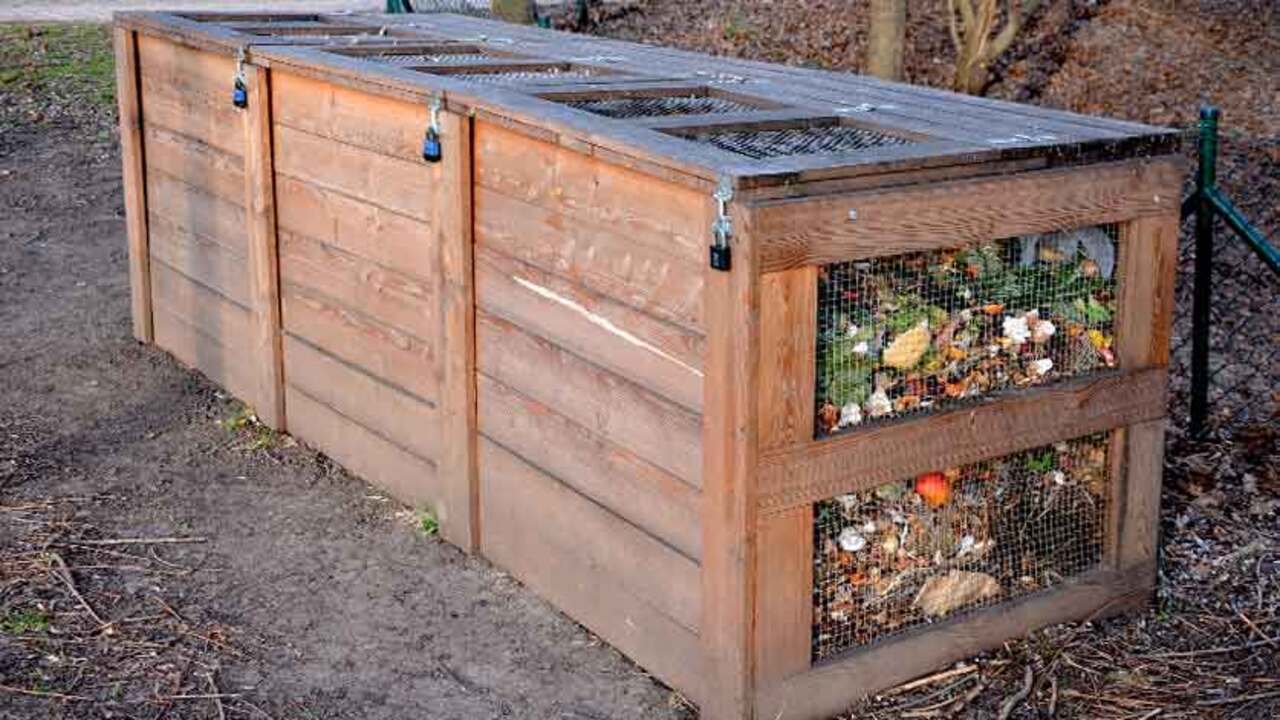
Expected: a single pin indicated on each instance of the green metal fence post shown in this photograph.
(399, 6)
(1206, 183)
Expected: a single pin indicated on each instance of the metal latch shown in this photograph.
(239, 91)
(432, 149)
(722, 228)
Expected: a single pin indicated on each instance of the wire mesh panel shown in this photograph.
(913, 552)
(660, 105)
(519, 77)
(443, 57)
(915, 333)
(764, 144)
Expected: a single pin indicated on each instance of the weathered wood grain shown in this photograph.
(347, 116)
(657, 355)
(1144, 322)
(627, 485)
(808, 472)
(394, 415)
(606, 403)
(788, 343)
(203, 329)
(598, 257)
(195, 256)
(134, 181)
(195, 163)
(784, 595)
(401, 359)
(198, 213)
(548, 555)
(890, 222)
(410, 479)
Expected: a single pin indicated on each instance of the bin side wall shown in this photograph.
(589, 355)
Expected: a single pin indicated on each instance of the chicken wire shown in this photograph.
(915, 333)
(917, 551)
(790, 142)
(639, 106)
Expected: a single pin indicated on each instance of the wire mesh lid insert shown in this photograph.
(660, 105)
(764, 144)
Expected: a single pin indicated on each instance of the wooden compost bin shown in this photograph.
(790, 384)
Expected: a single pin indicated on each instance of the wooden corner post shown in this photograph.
(452, 223)
(134, 176)
(729, 447)
(264, 258)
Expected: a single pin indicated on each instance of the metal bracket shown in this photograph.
(239, 90)
(432, 148)
(722, 228)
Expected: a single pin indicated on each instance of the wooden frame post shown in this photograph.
(729, 447)
(135, 185)
(264, 258)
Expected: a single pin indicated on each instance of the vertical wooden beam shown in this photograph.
(1143, 328)
(784, 557)
(452, 220)
(134, 176)
(729, 450)
(264, 259)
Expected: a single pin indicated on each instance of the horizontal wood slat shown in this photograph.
(401, 302)
(195, 163)
(376, 123)
(606, 403)
(400, 418)
(640, 492)
(206, 115)
(793, 233)
(828, 689)
(806, 473)
(535, 529)
(657, 355)
(410, 479)
(394, 356)
(599, 257)
(212, 263)
(373, 233)
(203, 330)
(198, 213)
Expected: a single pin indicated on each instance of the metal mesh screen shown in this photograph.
(410, 60)
(909, 553)
(915, 333)
(660, 106)
(788, 142)
(517, 77)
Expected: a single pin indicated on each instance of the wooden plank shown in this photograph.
(199, 257)
(394, 356)
(195, 163)
(186, 67)
(203, 330)
(393, 184)
(206, 117)
(343, 114)
(805, 473)
(404, 303)
(264, 259)
(657, 355)
(599, 258)
(1140, 522)
(1149, 259)
(366, 231)
(386, 411)
(730, 435)
(198, 213)
(134, 180)
(627, 485)
(524, 531)
(788, 344)
(452, 218)
(830, 688)
(646, 210)
(784, 592)
(410, 479)
(608, 404)
(815, 232)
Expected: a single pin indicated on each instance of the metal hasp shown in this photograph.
(722, 228)
(432, 149)
(1208, 203)
(239, 91)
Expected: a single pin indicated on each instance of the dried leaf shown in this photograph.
(906, 350)
(944, 594)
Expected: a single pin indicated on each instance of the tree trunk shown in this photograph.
(887, 36)
(515, 11)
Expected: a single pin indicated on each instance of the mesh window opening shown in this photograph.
(909, 553)
(435, 58)
(790, 142)
(516, 77)
(660, 106)
(909, 334)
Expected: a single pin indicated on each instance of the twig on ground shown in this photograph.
(41, 693)
(1017, 698)
(141, 541)
(64, 574)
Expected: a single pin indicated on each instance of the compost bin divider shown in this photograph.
(129, 96)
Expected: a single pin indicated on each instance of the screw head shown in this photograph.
(853, 215)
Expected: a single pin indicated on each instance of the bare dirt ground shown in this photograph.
(303, 593)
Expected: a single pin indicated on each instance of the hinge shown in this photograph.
(722, 228)
(432, 149)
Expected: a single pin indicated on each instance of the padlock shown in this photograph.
(240, 95)
(432, 150)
